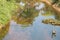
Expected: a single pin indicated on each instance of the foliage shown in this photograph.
(57, 2)
(6, 8)
(26, 15)
(48, 11)
(28, 12)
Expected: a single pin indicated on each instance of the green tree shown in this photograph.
(6, 9)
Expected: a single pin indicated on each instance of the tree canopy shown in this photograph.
(8, 7)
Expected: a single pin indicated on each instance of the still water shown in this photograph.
(36, 31)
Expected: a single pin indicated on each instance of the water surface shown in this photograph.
(36, 31)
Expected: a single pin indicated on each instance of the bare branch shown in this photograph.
(56, 9)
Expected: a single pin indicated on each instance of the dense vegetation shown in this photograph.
(6, 8)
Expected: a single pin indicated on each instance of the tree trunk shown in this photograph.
(55, 9)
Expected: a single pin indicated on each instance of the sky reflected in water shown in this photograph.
(36, 31)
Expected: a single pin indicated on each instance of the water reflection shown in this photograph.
(36, 31)
(16, 32)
